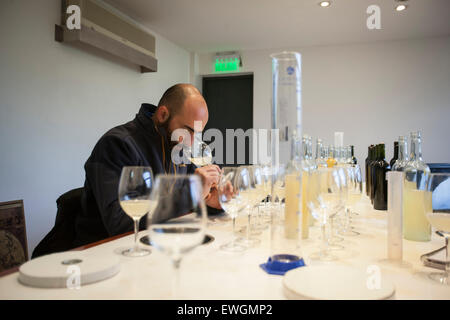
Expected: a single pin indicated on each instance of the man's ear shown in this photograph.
(162, 114)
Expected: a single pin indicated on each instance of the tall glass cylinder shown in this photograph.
(286, 99)
(287, 118)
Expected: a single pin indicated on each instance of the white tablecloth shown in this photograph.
(209, 273)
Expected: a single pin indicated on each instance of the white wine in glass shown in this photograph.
(135, 186)
(438, 184)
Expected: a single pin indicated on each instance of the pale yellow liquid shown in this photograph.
(137, 208)
(305, 211)
(353, 198)
(440, 221)
(292, 201)
(313, 192)
(201, 161)
(416, 203)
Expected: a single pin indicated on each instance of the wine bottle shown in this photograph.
(352, 154)
(368, 160)
(381, 167)
(416, 200)
(395, 157)
(372, 172)
(402, 160)
(321, 161)
(331, 160)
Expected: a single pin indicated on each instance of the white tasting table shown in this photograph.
(209, 273)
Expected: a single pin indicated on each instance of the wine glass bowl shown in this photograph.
(135, 187)
(233, 183)
(199, 153)
(179, 222)
(438, 184)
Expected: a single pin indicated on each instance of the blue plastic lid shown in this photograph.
(281, 263)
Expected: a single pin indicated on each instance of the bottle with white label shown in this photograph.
(416, 199)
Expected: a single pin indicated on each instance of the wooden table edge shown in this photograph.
(87, 246)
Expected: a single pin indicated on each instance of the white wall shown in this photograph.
(57, 100)
(373, 92)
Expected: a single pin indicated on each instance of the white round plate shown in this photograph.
(335, 283)
(68, 269)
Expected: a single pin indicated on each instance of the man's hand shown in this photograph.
(210, 176)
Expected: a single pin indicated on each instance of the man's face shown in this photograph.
(194, 110)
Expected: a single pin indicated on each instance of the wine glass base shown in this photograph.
(335, 247)
(348, 233)
(441, 277)
(251, 242)
(253, 231)
(335, 239)
(233, 247)
(322, 256)
(132, 252)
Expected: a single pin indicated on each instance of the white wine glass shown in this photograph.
(135, 187)
(253, 196)
(199, 153)
(352, 179)
(324, 204)
(178, 224)
(438, 188)
(233, 181)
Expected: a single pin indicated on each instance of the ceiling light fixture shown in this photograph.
(400, 7)
(324, 4)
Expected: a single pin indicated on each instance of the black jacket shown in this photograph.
(136, 143)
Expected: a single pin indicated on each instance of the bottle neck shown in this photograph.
(402, 151)
(416, 150)
(319, 151)
(309, 149)
(381, 152)
(296, 145)
(304, 149)
(396, 150)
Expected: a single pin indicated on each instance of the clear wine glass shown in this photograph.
(438, 188)
(179, 222)
(324, 205)
(233, 181)
(252, 196)
(135, 186)
(199, 153)
(351, 179)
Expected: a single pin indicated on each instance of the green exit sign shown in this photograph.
(226, 64)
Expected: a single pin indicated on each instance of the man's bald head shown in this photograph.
(175, 97)
(182, 106)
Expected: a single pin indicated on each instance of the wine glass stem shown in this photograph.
(176, 278)
(136, 230)
(324, 238)
(234, 226)
(248, 222)
(447, 264)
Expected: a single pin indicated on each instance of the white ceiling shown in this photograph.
(213, 25)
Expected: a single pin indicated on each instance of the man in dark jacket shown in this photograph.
(144, 141)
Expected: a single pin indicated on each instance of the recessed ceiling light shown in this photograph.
(400, 7)
(324, 4)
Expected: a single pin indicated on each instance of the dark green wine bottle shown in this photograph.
(372, 171)
(380, 168)
(368, 160)
(395, 157)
